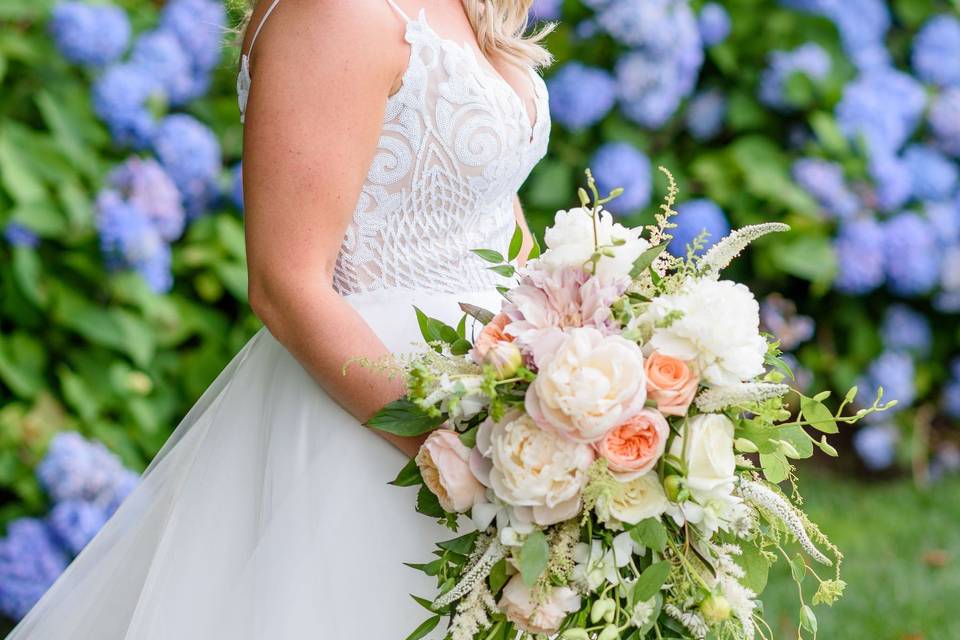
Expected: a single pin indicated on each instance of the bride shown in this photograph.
(384, 140)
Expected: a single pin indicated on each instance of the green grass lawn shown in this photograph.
(902, 561)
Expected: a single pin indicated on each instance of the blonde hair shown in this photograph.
(500, 26)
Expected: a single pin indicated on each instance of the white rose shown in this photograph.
(591, 384)
(529, 467)
(570, 242)
(706, 445)
(715, 323)
(634, 501)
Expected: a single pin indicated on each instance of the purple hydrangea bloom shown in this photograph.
(120, 98)
(620, 164)
(692, 219)
(932, 175)
(859, 247)
(145, 185)
(190, 153)
(18, 235)
(160, 54)
(200, 27)
(895, 372)
(809, 59)
(75, 522)
(89, 34)
(714, 22)
(876, 444)
(129, 239)
(825, 181)
(236, 186)
(906, 330)
(884, 106)
(30, 562)
(936, 51)
(580, 96)
(892, 183)
(944, 119)
(75, 468)
(705, 114)
(546, 9)
(912, 256)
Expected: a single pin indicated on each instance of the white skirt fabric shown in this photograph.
(266, 516)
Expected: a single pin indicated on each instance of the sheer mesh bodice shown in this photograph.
(457, 143)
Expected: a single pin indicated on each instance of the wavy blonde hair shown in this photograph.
(501, 27)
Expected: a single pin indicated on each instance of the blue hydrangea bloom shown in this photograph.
(129, 239)
(884, 106)
(936, 51)
(30, 562)
(144, 184)
(948, 298)
(912, 256)
(895, 372)
(714, 22)
(18, 235)
(89, 34)
(904, 329)
(892, 183)
(190, 153)
(932, 175)
(160, 54)
(705, 114)
(75, 522)
(546, 9)
(620, 164)
(200, 27)
(124, 482)
(809, 59)
(236, 186)
(944, 216)
(944, 119)
(580, 96)
(75, 468)
(863, 25)
(876, 444)
(120, 98)
(859, 247)
(825, 181)
(692, 219)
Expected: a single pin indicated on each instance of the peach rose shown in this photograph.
(491, 335)
(633, 448)
(443, 462)
(545, 618)
(671, 383)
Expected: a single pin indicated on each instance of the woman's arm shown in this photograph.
(322, 73)
(527, 246)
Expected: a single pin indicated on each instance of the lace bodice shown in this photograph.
(457, 143)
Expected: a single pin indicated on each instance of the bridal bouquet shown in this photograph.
(619, 434)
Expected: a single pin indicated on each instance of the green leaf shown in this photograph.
(404, 418)
(28, 272)
(505, 270)
(498, 576)
(808, 619)
(409, 476)
(828, 133)
(650, 581)
(646, 259)
(428, 504)
(798, 568)
(535, 251)
(430, 568)
(775, 467)
(755, 567)
(516, 242)
(427, 329)
(534, 555)
(489, 255)
(460, 347)
(462, 545)
(428, 625)
(809, 257)
(797, 438)
(469, 437)
(650, 533)
(818, 415)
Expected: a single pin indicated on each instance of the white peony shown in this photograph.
(570, 242)
(706, 446)
(592, 384)
(529, 468)
(634, 501)
(715, 323)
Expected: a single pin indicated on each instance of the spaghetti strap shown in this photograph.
(263, 21)
(397, 8)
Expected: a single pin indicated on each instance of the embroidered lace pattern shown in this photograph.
(457, 143)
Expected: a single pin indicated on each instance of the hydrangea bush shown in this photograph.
(839, 118)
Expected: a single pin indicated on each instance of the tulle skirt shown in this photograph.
(266, 516)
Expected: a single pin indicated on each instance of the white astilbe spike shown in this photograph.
(473, 613)
(480, 571)
(694, 622)
(719, 398)
(776, 505)
(722, 254)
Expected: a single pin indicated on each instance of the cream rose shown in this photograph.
(671, 383)
(633, 448)
(707, 441)
(529, 467)
(570, 242)
(545, 618)
(634, 501)
(444, 464)
(590, 385)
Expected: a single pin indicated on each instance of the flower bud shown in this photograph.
(575, 634)
(505, 358)
(603, 609)
(672, 486)
(745, 446)
(715, 609)
(610, 632)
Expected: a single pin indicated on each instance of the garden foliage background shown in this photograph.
(122, 281)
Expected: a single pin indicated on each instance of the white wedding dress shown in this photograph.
(267, 515)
